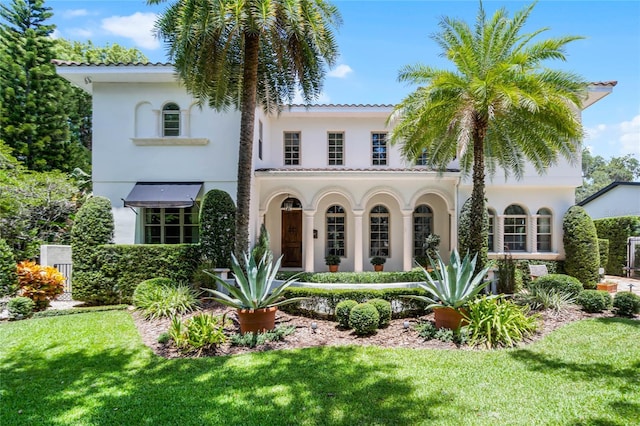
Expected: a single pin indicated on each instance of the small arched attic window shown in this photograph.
(171, 120)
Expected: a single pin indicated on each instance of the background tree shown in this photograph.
(241, 53)
(597, 172)
(499, 107)
(32, 119)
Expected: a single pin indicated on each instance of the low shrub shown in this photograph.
(201, 332)
(384, 311)
(364, 319)
(626, 304)
(343, 309)
(594, 300)
(20, 308)
(164, 338)
(426, 329)
(560, 283)
(444, 335)
(252, 340)
(160, 297)
(496, 322)
(39, 283)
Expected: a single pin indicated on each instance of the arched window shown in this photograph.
(336, 230)
(492, 230)
(379, 231)
(515, 228)
(543, 227)
(291, 203)
(422, 227)
(171, 120)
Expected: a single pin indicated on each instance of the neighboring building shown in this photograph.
(326, 180)
(616, 199)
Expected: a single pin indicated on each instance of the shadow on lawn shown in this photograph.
(316, 387)
(600, 370)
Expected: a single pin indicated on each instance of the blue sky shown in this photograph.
(377, 38)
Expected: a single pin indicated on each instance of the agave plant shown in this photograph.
(252, 289)
(455, 284)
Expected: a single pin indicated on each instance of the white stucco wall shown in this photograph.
(622, 200)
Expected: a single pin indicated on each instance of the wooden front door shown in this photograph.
(291, 242)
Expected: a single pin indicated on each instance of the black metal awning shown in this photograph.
(163, 194)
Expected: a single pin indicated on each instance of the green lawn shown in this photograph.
(92, 369)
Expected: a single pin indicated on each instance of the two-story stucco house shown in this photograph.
(325, 178)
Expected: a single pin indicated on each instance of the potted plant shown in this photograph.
(455, 286)
(332, 261)
(378, 263)
(251, 295)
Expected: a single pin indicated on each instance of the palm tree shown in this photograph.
(500, 107)
(241, 53)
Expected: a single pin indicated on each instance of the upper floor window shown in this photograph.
(543, 229)
(422, 159)
(291, 148)
(171, 120)
(379, 231)
(422, 227)
(336, 148)
(171, 225)
(492, 230)
(336, 231)
(515, 228)
(379, 153)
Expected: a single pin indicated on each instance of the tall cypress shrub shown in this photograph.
(581, 247)
(603, 249)
(217, 228)
(8, 277)
(93, 227)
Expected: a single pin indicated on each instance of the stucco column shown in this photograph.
(184, 123)
(498, 227)
(453, 230)
(407, 239)
(158, 127)
(533, 233)
(308, 240)
(358, 243)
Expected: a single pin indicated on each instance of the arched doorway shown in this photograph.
(291, 235)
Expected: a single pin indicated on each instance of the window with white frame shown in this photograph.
(515, 228)
(543, 229)
(379, 153)
(492, 230)
(171, 225)
(336, 231)
(379, 231)
(422, 227)
(422, 159)
(171, 120)
(291, 148)
(336, 148)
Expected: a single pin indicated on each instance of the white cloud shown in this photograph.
(137, 27)
(79, 33)
(616, 139)
(322, 99)
(341, 71)
(74, 13)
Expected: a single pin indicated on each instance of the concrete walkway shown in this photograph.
(623, 283)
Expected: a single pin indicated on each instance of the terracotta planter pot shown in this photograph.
(256, 320)
(333, 268)
(448, 318)
(378, 268)
(610, 287)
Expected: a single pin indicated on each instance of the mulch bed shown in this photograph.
(329, 334)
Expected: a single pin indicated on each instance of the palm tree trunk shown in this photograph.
(245, 149)
(477, 239)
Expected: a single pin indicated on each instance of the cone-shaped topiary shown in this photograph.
(217, 227)
(581, 247)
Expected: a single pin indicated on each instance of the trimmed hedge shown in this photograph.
(617, 230)
(343, 309)
(561, 283)
(322, 303)
(384, 311)
(581, 247)
(553, 267)
(415, 275)
(120, 268)
(626, 303)
(8, 276)
(364, 319)
(217, 227)
(594, 300)
(603, 249)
